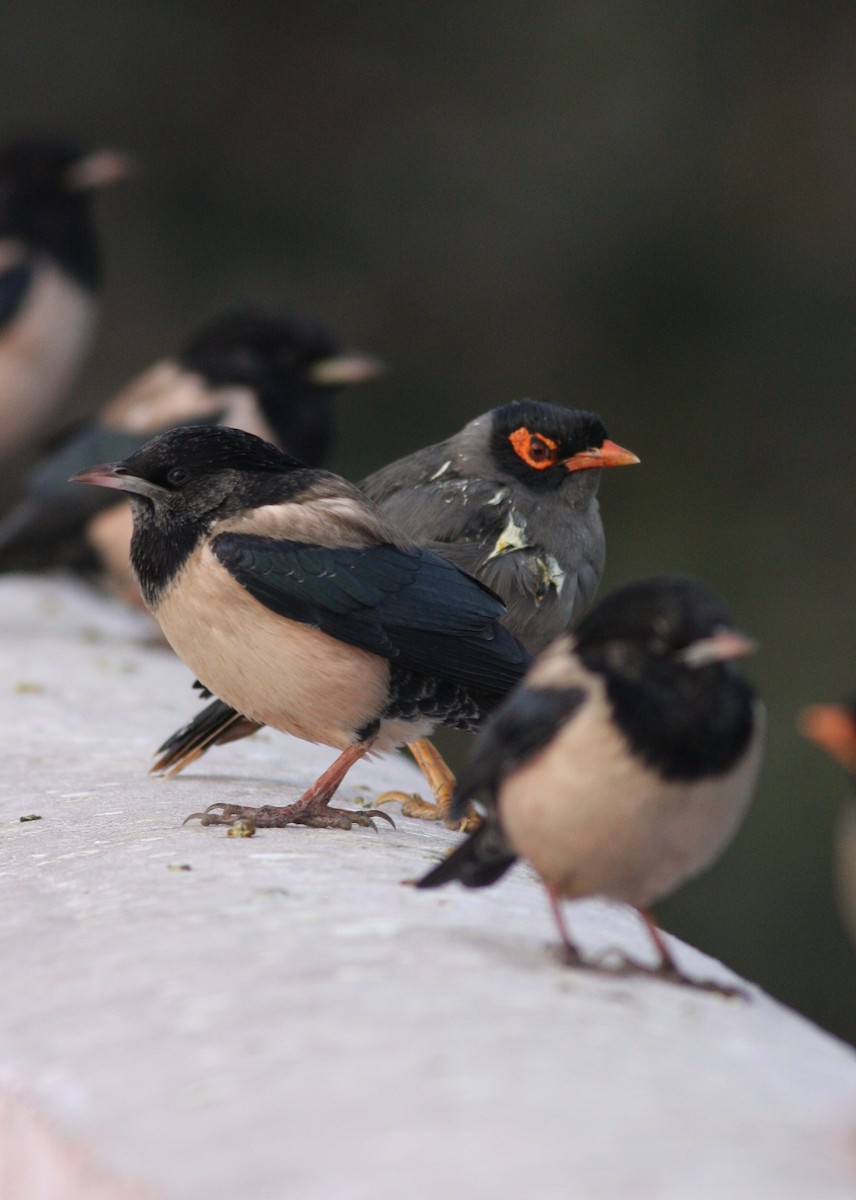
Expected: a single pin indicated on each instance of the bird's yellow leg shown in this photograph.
(440, 779)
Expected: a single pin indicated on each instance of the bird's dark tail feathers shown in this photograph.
(214, 726)
(482, 859)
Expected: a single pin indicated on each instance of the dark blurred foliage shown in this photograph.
(645, 210)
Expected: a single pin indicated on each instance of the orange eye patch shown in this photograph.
(535, 449)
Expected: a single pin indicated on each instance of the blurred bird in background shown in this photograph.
(833, 728)
(270, 371)
(49, 278)
(291, 596)
(623, 763)
(511, 499)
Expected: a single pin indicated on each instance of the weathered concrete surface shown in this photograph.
(285, 1019)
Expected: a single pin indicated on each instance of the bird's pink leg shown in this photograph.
(572, 954)
(312, 808)
(667, 965)
(667, 968)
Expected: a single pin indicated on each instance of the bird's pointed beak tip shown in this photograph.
(734, 644)
(609, 454)
(99, 169)
(351, 366)
(613, 455)
(105, 475)
(720, 646)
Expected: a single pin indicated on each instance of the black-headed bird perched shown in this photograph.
(268, 370)
(295, 600)
(623, 763)
(512, 499)
(49, 278)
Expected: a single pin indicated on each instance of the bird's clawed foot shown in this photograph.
(319, 816)
(313, 807)
(442, 784)
(617, 964)
(423, 810)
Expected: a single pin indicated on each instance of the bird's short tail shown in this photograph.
(482, 859)
(214, 726)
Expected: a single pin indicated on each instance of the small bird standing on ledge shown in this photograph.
(623, 763)
(49, 277)
(270, 371)
(512, 499)
(290, 595)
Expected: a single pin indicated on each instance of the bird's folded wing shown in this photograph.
(14, 282)
(525, 723)
(467, 513)
(406, 605)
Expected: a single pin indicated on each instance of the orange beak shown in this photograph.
(833, 728)
(610, 454)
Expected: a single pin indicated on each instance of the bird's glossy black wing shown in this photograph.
(406, 605)
(216, 725)
(525, 723)
(14, 283)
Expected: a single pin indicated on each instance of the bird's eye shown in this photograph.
(177, 476)
(535, 449)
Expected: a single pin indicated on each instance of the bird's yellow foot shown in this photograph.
(413, 805)
(440, 779)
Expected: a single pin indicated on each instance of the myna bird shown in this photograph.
(270, 371)
(294, 599)
(49, 277)
(623, 763)
(512, 499)
(833, 728)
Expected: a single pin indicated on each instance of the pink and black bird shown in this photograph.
(623, 763)
(50, 273)
(270, 371)
(292, 597)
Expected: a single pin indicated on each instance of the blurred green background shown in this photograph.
(647, 210)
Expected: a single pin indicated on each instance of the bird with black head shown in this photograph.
(295, 600)
(623, 763)
(50, 274)
(268, 370)
(512, 499)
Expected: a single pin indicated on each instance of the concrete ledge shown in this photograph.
(193, 1017)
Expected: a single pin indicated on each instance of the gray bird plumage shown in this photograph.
(540, 548)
